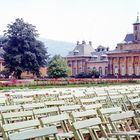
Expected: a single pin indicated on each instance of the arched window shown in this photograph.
(106, 71)
(69, 65)
(100, 70)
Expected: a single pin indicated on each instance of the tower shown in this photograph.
(136, 30)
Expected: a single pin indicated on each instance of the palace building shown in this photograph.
(124, 61)
(84, 58)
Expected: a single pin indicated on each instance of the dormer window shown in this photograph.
(76, 52)
(107, 49)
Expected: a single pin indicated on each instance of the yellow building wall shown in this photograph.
(43, 71)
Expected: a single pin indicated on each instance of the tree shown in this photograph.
(23, 52)
(95, 73)
(57, 67)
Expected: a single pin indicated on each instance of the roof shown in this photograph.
(129, 38)
(81, 50)
(123, 51)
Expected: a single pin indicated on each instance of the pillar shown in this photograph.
(133, 67)
(125, 62)
(118, 59)
(0, 66)
(111, 66)
(139, 64)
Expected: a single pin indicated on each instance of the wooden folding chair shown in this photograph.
(124, 125)
(62, 121)
(135, 103)
(104, 114)
(117, 100)
(16, 127)
(94, 134)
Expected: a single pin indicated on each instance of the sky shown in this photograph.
(104, 22)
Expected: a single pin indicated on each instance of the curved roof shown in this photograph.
(129, 38)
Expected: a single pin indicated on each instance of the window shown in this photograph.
(136, 37)
(121, 47)
(135, 28)
(106, 71)
(100, 70)
(69, 65)
(75, 53)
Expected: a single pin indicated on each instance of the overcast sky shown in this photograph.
(104, 22)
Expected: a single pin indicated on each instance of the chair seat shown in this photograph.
(66, 135)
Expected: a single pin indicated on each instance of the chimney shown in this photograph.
(77, 42)
(90, 43)
(83, 42)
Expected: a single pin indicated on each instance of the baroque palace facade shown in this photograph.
(124, 61)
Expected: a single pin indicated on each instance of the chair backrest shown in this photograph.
(121, 116)
(88, 101)
(92, 106)
(109, 111)
(84, 115)
(16, 116)
(10, 108)
(69, 108)
(56, 118)
(42, 112)
(62, 119)
(3, 101)
(32, 106)
(55, 103)
(34, 133)
(23, 100)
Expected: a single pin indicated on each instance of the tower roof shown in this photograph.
(137, 20)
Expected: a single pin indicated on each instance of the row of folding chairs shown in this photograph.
(8, 99)
(101, 123)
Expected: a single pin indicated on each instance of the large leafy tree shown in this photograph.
(23, 52)
(57, 67)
